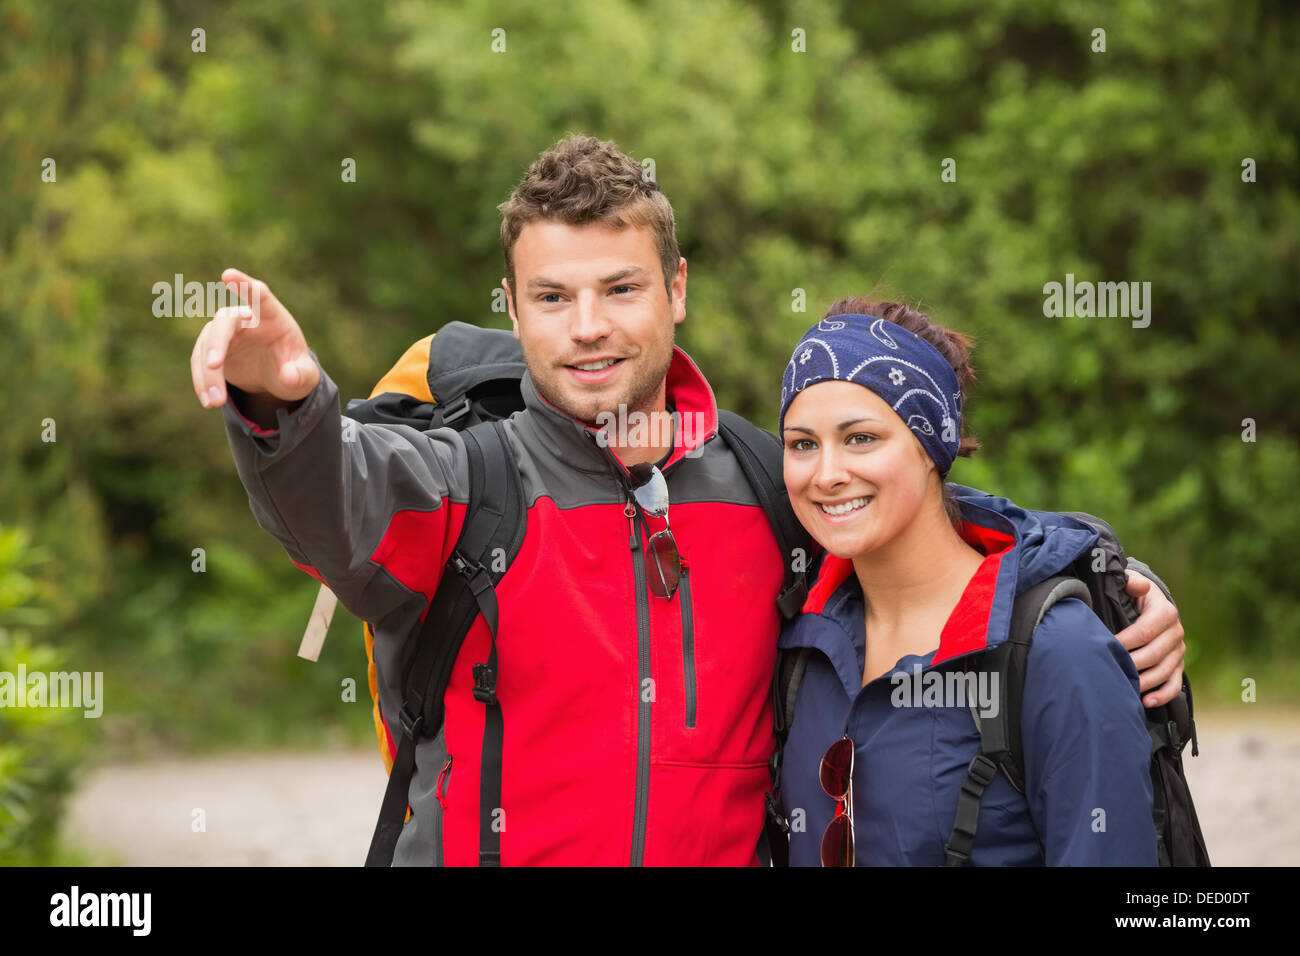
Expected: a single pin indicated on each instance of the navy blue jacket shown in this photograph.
(1087, 797)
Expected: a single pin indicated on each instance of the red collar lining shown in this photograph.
(967, 627)
(691, 394)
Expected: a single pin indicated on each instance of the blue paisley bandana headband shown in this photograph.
(902, 368)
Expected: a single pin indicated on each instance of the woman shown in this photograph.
(916, 580)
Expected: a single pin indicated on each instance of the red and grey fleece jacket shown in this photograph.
(638, 729)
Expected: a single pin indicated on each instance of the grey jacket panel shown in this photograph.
(420, 843)
(335, 524)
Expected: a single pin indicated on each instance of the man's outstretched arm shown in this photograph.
(367, 509)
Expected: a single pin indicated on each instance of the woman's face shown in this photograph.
(847, 451)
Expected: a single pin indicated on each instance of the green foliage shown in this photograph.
(815, 171)
(40, 746)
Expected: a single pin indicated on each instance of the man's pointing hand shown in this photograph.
(257, 347)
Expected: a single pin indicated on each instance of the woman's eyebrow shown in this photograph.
(840, 427)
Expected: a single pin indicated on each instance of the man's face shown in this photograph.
(594, 296)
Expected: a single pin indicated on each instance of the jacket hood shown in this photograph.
(687, 392)
(1021, 548)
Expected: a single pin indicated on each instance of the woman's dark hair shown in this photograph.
(953, 346)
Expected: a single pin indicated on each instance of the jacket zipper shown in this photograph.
(440, 792)
(444, 779)
(643, 674)
(688, 643)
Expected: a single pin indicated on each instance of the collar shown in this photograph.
(982, 617)
(686, 391)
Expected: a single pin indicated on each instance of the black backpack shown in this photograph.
(1098, 580)
(473, 375)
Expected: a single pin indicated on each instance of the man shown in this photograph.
(637, 725)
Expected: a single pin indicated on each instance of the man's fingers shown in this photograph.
(1155, 673)
(225, 324)
(1168, 643)
(1150, 623)
(213, 347)
(1156, 642)
(205, 379)
(209, 355)
(300, 374)
(292, 374)
(196, 369)
(255, 293)
(262, 366)
(1137, 585)
(1156, 616)
(1167, 692)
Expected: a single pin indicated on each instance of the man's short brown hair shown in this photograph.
(582, 180)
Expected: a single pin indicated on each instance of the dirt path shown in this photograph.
(283, 809)
(317, 809)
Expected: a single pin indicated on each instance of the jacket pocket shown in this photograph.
(688, 646)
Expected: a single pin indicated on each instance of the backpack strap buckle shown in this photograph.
(412, 726)
(791, 600)
(982, 770)
(462, 565)
(485, 684)
(980, 774)
(455, 411)
(774, 812)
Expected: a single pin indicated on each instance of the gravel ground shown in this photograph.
(277, 809)
(318, 809)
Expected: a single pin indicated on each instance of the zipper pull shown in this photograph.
(634, 539)
(444, 778)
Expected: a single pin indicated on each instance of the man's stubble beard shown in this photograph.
(640, 394)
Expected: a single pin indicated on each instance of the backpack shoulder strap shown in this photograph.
(1000, 741)
(494, 528)
(759, 454)
(791, 666)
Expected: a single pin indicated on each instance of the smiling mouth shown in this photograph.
(598, 366)
(847, 507)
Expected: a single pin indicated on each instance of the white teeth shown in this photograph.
(596, 366)
(847, 507)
